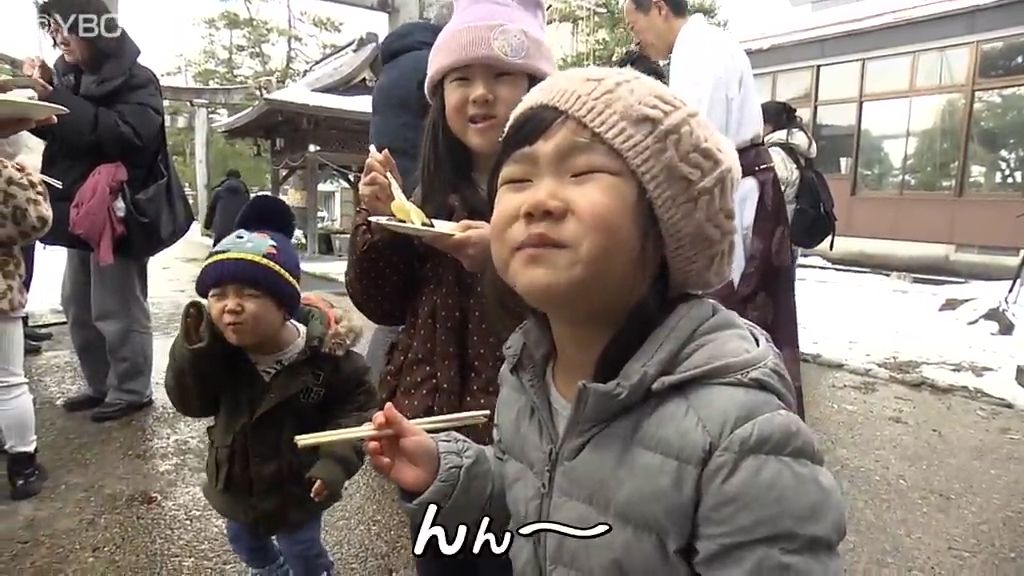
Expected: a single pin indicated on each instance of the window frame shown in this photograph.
(968, 89)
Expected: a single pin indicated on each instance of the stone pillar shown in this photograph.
(202, 134)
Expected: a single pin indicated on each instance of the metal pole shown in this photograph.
(202, 134)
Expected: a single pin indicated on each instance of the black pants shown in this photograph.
(28, 254)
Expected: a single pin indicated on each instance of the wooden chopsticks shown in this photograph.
(367, 431)
(396, 188)
(51, 181)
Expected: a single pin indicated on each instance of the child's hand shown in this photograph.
(194, 317)
(319, 492)
(374, 188)
(409, 458)
(471, 245)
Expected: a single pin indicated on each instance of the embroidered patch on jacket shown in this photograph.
(510, 42)
(311, 394)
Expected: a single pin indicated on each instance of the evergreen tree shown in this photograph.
(600, 31)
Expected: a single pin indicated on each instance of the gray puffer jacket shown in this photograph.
(692, 455)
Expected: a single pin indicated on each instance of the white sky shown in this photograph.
(166, 30)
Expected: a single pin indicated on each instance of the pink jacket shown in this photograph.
(92, 212)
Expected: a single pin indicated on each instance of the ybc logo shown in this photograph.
(429, 531)
(81, 25)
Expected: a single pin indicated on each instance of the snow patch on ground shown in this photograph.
(893, 328)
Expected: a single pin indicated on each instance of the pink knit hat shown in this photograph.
(506, 33)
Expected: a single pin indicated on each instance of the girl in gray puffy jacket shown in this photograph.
(654, 422)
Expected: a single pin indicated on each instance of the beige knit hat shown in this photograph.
(689, 170)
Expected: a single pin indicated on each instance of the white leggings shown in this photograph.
(17, 414)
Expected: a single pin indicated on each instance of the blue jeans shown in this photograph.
(301, 550)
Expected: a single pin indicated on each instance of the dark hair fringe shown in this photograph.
(103, 46)
(781, 115)
(507, 310)
(446, 166)
(634, 58)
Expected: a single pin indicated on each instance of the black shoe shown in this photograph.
(37, 335)
(25, 474)
(81, 402)
(116, 410)
(32, 349)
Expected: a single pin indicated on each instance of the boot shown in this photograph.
(31, 348)
(35, 334)
(82, 402)
(25, 474)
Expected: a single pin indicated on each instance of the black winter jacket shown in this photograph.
(399, 103)
(229, 197)
(116, 115)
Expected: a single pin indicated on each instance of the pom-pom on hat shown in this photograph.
(688, 169)
(259, 255)
(506, 33)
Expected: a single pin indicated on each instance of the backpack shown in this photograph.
(814, 217)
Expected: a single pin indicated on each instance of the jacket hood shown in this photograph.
(700, 342)
(328, 329)
(410, 37)
(123, 54)
(795, 137)
(232, 186)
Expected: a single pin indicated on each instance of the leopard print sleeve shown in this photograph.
(25, 214)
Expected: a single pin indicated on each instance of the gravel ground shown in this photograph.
(932, 479)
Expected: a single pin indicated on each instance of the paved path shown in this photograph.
(933, 481)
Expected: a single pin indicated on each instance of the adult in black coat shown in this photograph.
(116, 115)
(399, 103)
(229, 197)
(400, 109)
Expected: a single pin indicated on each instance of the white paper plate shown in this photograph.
(441, 227)
(14, 107)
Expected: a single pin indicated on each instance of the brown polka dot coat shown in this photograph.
(446, 357)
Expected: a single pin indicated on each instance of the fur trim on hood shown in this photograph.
(342, 331)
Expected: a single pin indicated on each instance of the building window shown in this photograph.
(804, 114)
(948, 67)
(835, 131)
(883, 145)
(911, 144)
(839, 81)
(1002, 59)
(793, 85)
(764, 86)
(934, 143)
(995, 152)
(890, 74)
